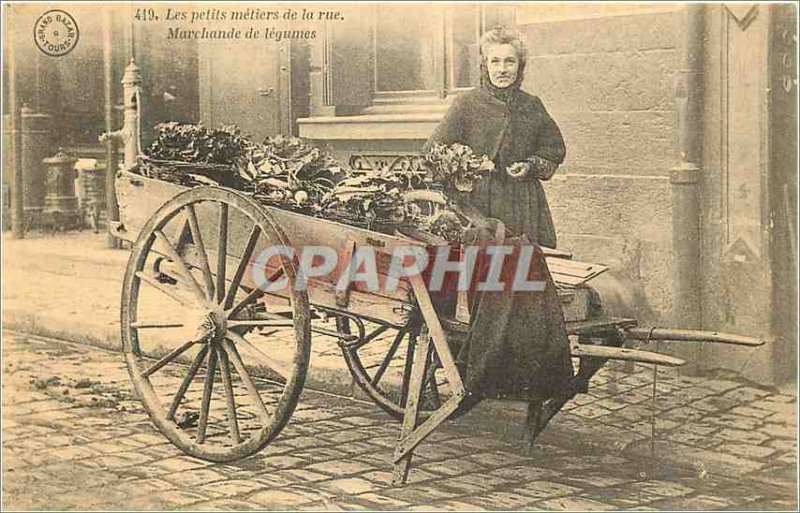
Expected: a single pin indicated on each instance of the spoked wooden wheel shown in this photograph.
(380, 363)
(219, 372)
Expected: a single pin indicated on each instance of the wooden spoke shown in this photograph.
(430, 379)
(222, 251)
(277, 315)
(409, 365)
(165, 324)
(164, 289)
(168, 358)
(251, 296)
(247, 381)
(230, 297)
(230, 400)
(272, 363)
(194, 227)
(389, 355)
(276, 274)
(208, 388)
(187, 380)
(265, 323)
(254, 294)
(183, 267)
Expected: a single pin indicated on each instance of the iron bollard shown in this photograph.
(92, 191)
(61, 204)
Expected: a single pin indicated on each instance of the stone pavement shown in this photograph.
(69, 286)
(75, 437)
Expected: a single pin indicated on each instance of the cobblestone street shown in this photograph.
(75, 437)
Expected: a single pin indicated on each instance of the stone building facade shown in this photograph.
(699, 240)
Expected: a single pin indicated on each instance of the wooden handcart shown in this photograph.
(193, 314)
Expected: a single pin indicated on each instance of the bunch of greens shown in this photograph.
(456, 166)
(446, 224)
(371, 201)
(197, 144)
(288, 172)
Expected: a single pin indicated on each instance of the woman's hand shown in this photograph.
(518, 169)
(543, 168)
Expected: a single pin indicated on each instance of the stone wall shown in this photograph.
(608, 82)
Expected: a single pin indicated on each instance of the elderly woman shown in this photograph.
(513, 129)
(517, 346)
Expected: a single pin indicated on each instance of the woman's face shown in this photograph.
(502, 64)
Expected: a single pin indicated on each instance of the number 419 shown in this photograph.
(145, 14)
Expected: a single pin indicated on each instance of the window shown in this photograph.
(425, 51)
(407, 54)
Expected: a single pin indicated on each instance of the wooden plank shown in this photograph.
(558, 253)
(566, 271)
(437, 332)
(573, 275)
(679, 335)
(590, 327)
(411, 413)
(365, 305)
(577, 264)
(139, 197)
(346, 268)
(567, 280)
(599, 326)
(621, 353)
(410, 442)
(587, 271)
(323, 294)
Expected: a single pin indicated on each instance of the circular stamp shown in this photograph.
(56, 33)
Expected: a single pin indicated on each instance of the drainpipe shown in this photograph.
(685, 177)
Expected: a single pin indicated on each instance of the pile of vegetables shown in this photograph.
(197, 144)
(456, 166)
(372, 201)
(289, 173)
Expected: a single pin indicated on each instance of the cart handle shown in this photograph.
(648, 334)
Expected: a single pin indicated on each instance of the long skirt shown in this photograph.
(517, 346)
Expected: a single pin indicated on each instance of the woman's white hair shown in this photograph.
(504, 36)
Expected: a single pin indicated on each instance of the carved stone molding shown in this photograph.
(383, 162)
(745, 79)
(744, 14)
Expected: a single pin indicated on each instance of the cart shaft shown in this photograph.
(648, 334)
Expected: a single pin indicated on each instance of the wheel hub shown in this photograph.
(211, 326)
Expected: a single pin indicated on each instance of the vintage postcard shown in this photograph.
(443, 256)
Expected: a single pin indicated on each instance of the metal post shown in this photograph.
(685, 177)
(112, 211)
(17, 194)
(36, 143)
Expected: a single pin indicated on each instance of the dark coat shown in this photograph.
(507, 133)
(517, 345)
